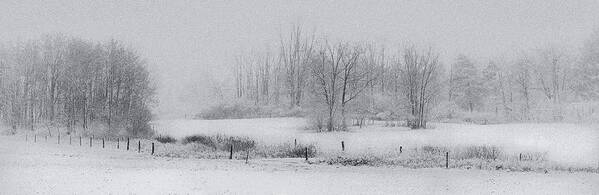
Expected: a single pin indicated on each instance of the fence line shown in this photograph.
(152, 149)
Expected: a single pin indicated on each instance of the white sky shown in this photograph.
(187, 41)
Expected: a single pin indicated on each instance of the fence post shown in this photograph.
(400, 149)
(103, 142)
(447, 160)
(34, 138)
(127, 143)
(138, 146)
(231, 152)
(58, 138)
(152, 148)
(90, 142)
(306, 153)
(70, 139)
(118, 139)
(342, 146)
(520, 158)
(295, 142)
(79, 140)
(247, 156)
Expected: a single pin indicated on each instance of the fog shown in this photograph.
(299, 97)
(189, 45)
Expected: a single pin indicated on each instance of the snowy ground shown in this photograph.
(568, 144)
(48, 168)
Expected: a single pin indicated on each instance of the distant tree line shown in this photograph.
(338, 82)
(59, 81)
(345, 83)
(547, 84)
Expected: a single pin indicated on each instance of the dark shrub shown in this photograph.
(201, 139)
(165, 139)
(222, 142)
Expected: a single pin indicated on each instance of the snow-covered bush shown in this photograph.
(286, 151)
(465, 157)
(241, 111)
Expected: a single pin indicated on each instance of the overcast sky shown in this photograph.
(185, 42)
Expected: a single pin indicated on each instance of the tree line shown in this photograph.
(340, 81)
(344, 83)
(59, 81)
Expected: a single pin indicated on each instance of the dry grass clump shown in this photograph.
(464, 157)
(286, 151)
(484, 157)
(218, 146)
(222, 142)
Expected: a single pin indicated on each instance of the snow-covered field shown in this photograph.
(570, 144)
(48, 168)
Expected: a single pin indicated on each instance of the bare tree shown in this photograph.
(358, 75)
(496, 83)
(419, 76)
(552, 72)
(327, 72)
(295, 55)
(586, 84)
(340, 78)
(63, 81)
(523, 81)
(466, 84)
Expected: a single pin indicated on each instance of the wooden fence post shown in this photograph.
(447, 160)
(90, 141)
(70, 139)
(342, 146)
(138, 146)
(400, 149)
(103, 142)
(295, 142)
(520, 158)
(152, 148)
(247, 156)
(127, 143)
(306, 153)
(58, 138)
(118, 140)
(79, 140)
(231, 152)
